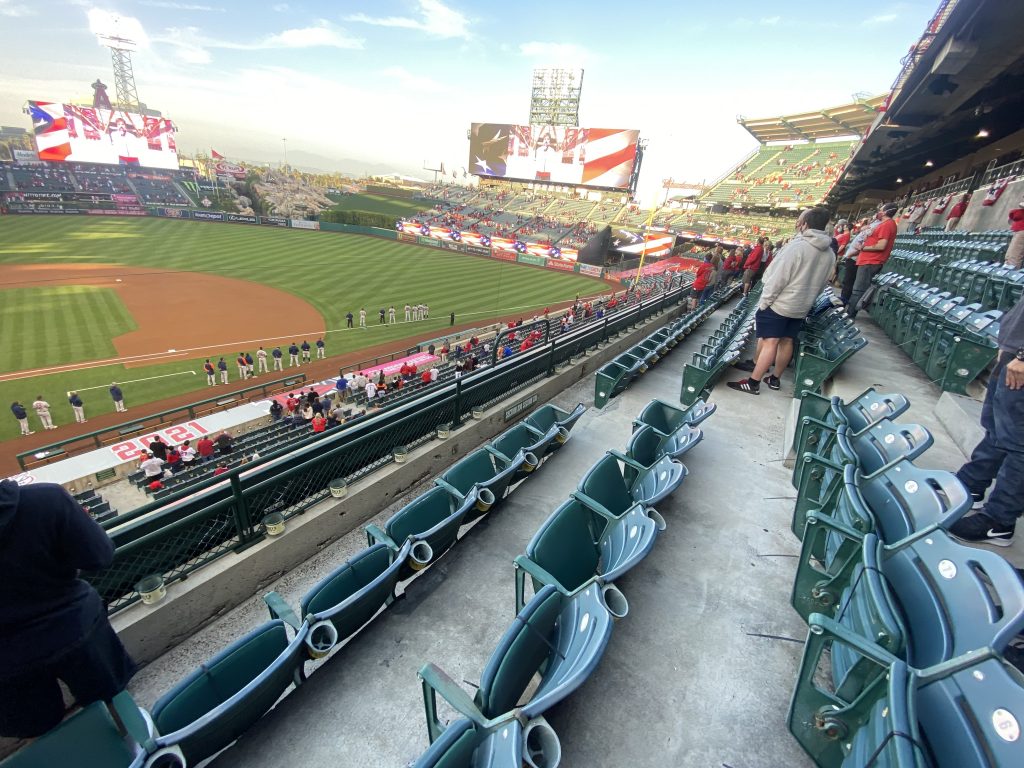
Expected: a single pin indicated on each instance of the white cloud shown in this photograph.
(882, 18)
(411, 81)
(770, 21)
(764, 21)
(557, 54)
(107, 23)
(192, 47)
(174, 6)
(280, 8)
(14, 10)
(433, 17)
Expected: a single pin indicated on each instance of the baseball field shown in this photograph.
(88, 301)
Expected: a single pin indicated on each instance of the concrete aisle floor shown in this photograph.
(698, 674)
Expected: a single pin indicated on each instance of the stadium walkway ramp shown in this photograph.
(700, 671)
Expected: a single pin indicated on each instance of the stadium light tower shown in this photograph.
(555, 97)
(121, 49)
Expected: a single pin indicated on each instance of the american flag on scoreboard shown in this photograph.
(51, 130)
(610, 156)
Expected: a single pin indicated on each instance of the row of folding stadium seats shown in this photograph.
(93, 503)
(948, 246)
(951, 340)
(215, 704)
(991, 284)
(614, 377)
(828, 339)
(721, 349)
(904, 663)
(605, 528)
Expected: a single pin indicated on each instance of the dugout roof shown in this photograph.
(851, 119)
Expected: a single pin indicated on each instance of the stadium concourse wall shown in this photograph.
(55, 208)
(216, 537)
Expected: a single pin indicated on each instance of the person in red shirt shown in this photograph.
(1015, 250)
(425, 377)
(957, 212)
(873, 256)
(205, 448)
(291, 404)
(222, 467)
(319, 423)
(752, 265)
(156, 485)
(701, 284)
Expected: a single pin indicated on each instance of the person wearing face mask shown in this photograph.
(791, 284)
(873, 256)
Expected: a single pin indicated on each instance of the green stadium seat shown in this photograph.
(579, 545)
(817, 362)
(647, 445)
(551, 416)
(617, 481)
(91, 738)
(610, 380)
(346, 599)
(525, 442)
(463, 744)
(429, 525)
(819, 417)
(222, 699)
(483, 476)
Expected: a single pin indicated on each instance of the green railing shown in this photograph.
(198, 524)
(128, 430)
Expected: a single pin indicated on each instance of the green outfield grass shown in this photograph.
(334, 272)
(59, 324)
(392, 206)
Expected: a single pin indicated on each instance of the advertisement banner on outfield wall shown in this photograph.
(274, 221)
(449, 245)
(564, 266)
(478, 250)
(503, 255)
(529, 258)
(406, 237)
(115, 212)
(303, 224)
(26, 157)
(589, 269)
(16, 208)
(428, 241)
(173, 213)
(241, 218)
(208, 215)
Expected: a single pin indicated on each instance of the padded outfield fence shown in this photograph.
(183, 532)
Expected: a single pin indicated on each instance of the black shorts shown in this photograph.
(96, 669)
(772, 325)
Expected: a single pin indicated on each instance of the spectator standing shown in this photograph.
(276, 409)
(1015, 250)
(873, 256)
(222, 366)
(158, 448)
(42, 409)
(791, 284)
(321, 349)
(118, 397)
(371, 391)
(173, 459)
(293, 355)
(342, 386)
(205, 448)
(702, 287)
(21, 415)
(53, 624)
(211, 373)
(77, 407)
(261, 360)
(188, 454)
(225, 443)
(151, 466)
(999, 457)
(305, 351)
(957, 212)
(852, 252)
(278, 356)
(752, 265)
(359, 382)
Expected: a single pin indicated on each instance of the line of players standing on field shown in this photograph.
(42, 409)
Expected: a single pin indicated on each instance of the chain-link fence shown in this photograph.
(226, 513)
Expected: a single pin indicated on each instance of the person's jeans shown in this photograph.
(1000, 454)
(849, 276)
(860, 285)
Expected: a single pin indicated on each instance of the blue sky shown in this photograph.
(399, 81)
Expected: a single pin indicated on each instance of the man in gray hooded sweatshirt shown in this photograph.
(53, 624)
(790, 285)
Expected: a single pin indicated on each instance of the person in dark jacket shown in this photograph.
(53, 624)
(22, 416)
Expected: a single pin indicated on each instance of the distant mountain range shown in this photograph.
(314, 163)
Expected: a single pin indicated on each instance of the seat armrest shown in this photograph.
(279, 609)
(375, 533)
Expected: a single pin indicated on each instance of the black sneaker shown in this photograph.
(773, 382)
(749, 386)
(979, 501)
(982, 529)
(746, 365)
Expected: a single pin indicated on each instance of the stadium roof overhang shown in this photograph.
(970, 76)
(852, 119)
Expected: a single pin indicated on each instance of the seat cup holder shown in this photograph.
(562, 435)
(530, 462)
(322, 637)
(615, 601)
(420, 555)
(485, 499)
(659, 521)
(166, 757)
(541, 746)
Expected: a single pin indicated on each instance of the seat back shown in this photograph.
(363, 584)
(882, 443)
(605, 484)
(868, 409)
(523, 649)
(662, 416)
(887, 739)
(972, 718)
(566, 545)
(222, 699)
(453, 749)
(645, 445)
(476, 467)
(905, 499)
(421, 514)
(518, 438)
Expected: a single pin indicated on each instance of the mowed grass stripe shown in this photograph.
(335, 273)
